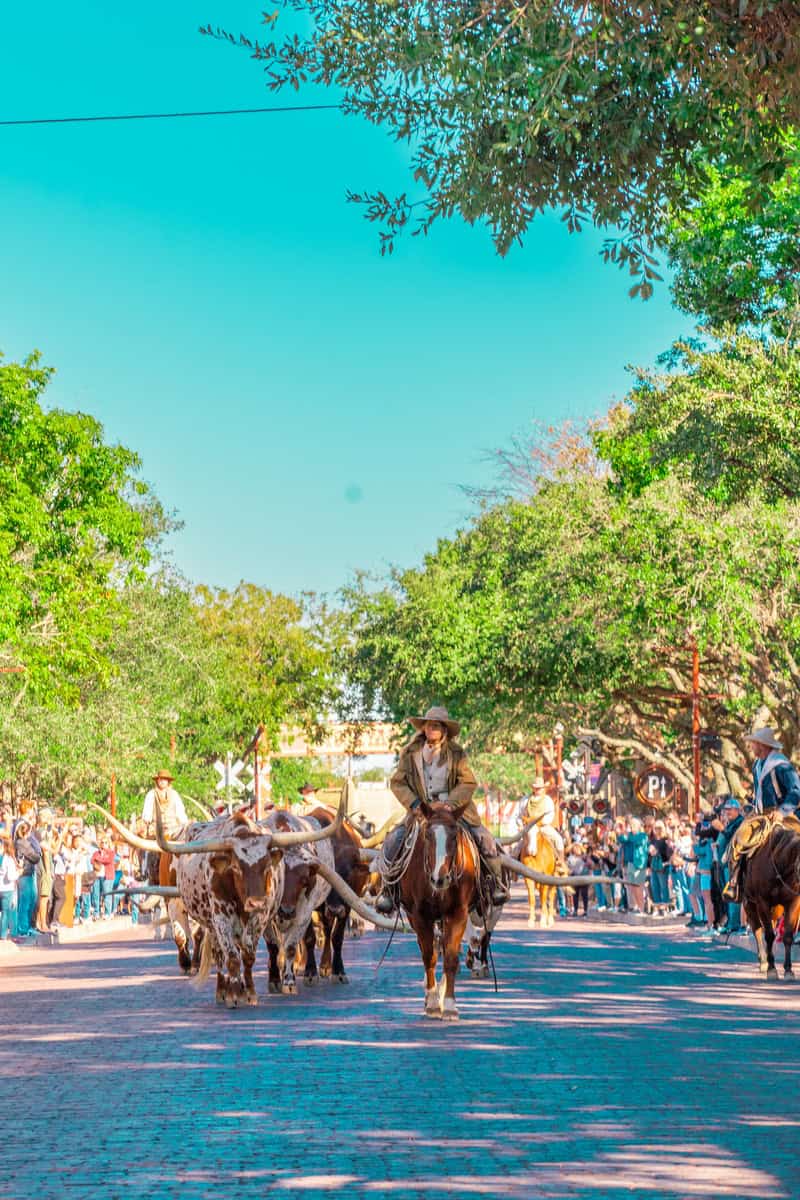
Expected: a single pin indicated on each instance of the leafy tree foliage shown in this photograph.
(729, 421)
(76, 523)
(579, 602)
(736, 252)
(512, 106)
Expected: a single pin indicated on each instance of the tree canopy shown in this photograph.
(580, 601)
(76, 524)
(605, 110)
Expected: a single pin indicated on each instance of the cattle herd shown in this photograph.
(230, 881)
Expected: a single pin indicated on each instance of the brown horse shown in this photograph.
(538, 853)
(439, 887)
(772, 881)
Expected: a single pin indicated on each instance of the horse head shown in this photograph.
(443, 855)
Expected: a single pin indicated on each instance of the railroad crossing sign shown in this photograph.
(655, 785)
(229, 773)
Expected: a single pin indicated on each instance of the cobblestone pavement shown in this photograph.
(615, 1062)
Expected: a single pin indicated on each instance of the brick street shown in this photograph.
(615, 1061)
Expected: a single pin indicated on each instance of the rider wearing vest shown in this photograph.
(173, 813)
(776, 794)
(540, 807)
(434, 768)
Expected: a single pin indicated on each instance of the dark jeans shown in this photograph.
(581, 897)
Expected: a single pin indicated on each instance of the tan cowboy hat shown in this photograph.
(437, 714)
(163, 775)
(765, 737)
(538, 785)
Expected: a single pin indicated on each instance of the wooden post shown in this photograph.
(113, 794)
(172, 747)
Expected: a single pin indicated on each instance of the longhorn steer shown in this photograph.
(334, 912)
(304, 890)
(229, 876)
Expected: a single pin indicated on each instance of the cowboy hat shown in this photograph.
(764, 737)
(307, 789)
(538, 784)
(436, 714)
(163, 775)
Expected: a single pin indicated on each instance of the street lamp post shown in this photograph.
(558, 745)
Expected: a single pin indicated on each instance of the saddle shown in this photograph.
(756, 830)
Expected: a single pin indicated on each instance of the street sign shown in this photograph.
(229, 773)
(655, 785)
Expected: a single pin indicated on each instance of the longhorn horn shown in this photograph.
(132, 839)
(517, 868)
(350, 897)
(370, 843)
(200, 846)
(296, 837)
(208, 814)
(511, 838)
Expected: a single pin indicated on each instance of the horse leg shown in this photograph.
(765, 918)
(549, 905)
(754, 921)
(531, 886)
(453, 933)
(427, 947)
(791, 915)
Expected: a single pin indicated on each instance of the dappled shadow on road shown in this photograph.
(612, 1062)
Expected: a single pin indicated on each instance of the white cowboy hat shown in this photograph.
(765, 737)
(437, 714)
(538, 785)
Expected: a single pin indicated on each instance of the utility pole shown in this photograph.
(695, 699)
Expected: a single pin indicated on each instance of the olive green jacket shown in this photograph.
(408, 781)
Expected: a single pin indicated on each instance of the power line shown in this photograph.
(169, 116)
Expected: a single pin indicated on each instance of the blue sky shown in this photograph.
(203, 288)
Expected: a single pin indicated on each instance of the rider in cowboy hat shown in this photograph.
(434, 768)
(173, 813)
(776, 795)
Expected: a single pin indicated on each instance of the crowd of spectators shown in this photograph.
(657, 866)
(56, 871)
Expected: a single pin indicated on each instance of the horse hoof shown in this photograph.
(772, 973)
(342, 978)
(324, 972)
(531, 924)
(762, 967)
(251, 999)
(309, 980)
(231, 1001)
(789, 974)
(450, 1014)
(274, 988)
(434, 1013)
(483, 973)
(289, 989)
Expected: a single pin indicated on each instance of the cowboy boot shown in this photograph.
(499, 893)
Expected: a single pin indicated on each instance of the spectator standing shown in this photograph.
(577, 865)
(703, 854)
(103, 864)
(28, 854)
(44, 882)
(660, 851)
(731, 820)
(9, 874)
(679, 876)
(635, 855)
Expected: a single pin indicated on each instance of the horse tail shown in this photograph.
(206, 959)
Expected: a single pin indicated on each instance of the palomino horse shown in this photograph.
(538, 853)
(772, 880)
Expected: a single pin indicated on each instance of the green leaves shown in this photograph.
(512, 108)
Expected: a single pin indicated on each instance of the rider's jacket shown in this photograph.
(408, 781)
(778, 780)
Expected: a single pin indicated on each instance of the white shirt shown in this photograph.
(173, 813)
